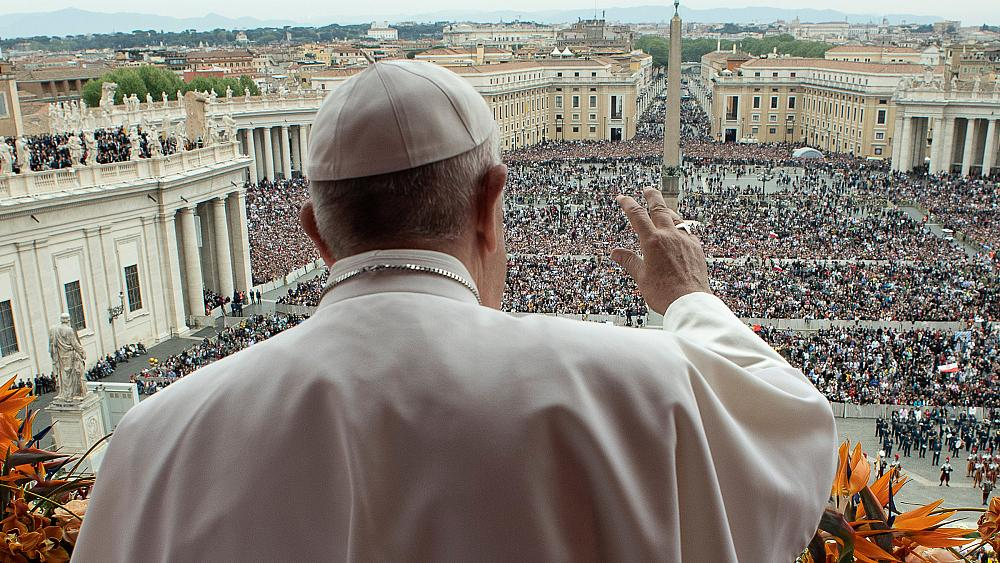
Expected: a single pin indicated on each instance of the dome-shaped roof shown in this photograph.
(806, 152)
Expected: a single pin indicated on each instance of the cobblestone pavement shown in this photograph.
(925, 478)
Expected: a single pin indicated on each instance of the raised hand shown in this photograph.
(672, 262)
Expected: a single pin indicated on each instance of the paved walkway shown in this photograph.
(924, 487)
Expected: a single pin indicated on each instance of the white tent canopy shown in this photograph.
(807, 152)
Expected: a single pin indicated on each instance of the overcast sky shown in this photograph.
(969, 11)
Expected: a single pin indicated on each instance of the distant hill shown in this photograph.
(72, 21)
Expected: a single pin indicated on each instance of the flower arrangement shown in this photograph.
(40, 522)
(863, 523)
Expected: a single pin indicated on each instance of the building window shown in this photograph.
(558, 117)
(754, 130)
(593, 101)
(792, 75)
(576, 117)
(3, 105)
(593, 129)
(576, 129)
(789, 130)
(878, 151)
(558, 102)
(558, 74)
(772, 118)
(558, 129)
(132, 288)
(880, 135)
(756, 75)
(774, 75)
(880, 117)
(774, 102)
(616, 107)
(576, 101)
(593, 117)
(791, 102)
(8, 335)
(772, 130)
(755, 117)
(756, 102)
(74, 305)
(732, 108)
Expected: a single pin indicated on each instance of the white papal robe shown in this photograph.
(403, 422)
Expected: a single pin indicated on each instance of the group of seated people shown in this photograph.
(105, 367)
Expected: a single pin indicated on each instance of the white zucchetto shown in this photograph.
(393, 116)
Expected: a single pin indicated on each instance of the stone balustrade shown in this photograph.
(32, 184)
(173, 110)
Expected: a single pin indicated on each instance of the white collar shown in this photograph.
(413, 282)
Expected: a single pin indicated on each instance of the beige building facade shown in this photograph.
(11, 124)
(595, 99)
(948, 127)
(838, 106)
(124, 248)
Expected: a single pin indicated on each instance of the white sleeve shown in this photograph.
(704, 319)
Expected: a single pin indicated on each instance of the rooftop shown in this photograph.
(825, 64)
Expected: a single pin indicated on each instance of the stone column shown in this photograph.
(268, 154)
(223, 255)
(252, 152)
(968, 153)
(989, 157)
(948, 145)
(669, 180)
(296, 154)
(286, 160)
(937, 146)
(303, 147)
(192, 264)
(897, 141)
(239, 239)
(175, 296)
(906, 146)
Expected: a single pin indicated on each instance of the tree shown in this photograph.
(156, 81)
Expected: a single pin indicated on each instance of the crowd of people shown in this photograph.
(277, 243)
(788, 238)
(106, 366)
(251, 330)
(921, 367)
(102, 146)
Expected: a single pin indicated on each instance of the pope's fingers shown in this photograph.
(658, 210)
(629, 261)
(637, 216)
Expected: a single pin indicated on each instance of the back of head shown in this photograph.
(396, 153)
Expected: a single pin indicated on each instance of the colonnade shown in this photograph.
(966, 145)
(276, 150)
(211, 243)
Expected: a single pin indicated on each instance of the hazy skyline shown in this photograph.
(970, 12)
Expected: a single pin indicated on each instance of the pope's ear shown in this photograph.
(490, 206)
(307, 217)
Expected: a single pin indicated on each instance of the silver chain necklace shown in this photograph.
(403, 267)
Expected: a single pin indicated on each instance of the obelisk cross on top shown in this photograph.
(670, 173)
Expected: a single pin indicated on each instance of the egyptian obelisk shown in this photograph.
(670, 181)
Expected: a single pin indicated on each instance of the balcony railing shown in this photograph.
(31, 184)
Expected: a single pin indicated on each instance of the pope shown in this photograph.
(410, 420)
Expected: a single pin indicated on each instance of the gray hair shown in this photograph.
(427, 203)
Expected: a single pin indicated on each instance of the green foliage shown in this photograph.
(693, 49)
(207, 84)
(156, 81)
